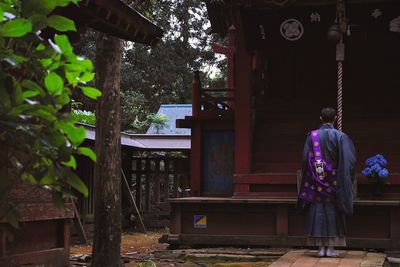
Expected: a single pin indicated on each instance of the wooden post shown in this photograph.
(78, 224)
(394, 223)
(243, 134)
(282, 228)
(196, 91)
(148, 175)
(176, 219)
(138, 183)
(195, 160)
(231, 57)
(158, 175)
(126, 189)
(66, 238)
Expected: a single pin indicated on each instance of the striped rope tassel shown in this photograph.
(340, 96)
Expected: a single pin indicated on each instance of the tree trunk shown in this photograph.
(107, 214)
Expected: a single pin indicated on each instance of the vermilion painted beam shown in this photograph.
(195, 160)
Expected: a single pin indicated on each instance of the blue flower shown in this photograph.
(377, 159)
(366, 172)
(384, 173)
(376, 168)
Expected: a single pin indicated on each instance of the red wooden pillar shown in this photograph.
(243, 131)
(195, 160)
(195, 151)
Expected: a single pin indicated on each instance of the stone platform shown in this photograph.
(350, 258)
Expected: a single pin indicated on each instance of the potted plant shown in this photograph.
(377, 173)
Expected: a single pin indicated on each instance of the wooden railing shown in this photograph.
(212, 102)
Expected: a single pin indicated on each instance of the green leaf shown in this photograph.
(61, 23)
(71, 163)
(41, 113)
(86, 77)
(62, 99)
(16, 28)
(87, 64)
(5, 100)
(1, 14)
(72, 77)
(63, 43)
(17, 110)
(31, 7)
(62, 3)
(75, 134)
(7, 8)
(46, 180)
(54, 66)
(29, 93)
(39, 22)
(32, 86)
(91, 92)
(27, 177)
(74, 67)
(54, 83)
(40, 47)
(46, 62)
(87, 152)
(77, 183)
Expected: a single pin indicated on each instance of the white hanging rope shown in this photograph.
(340, 96)
(341, 20)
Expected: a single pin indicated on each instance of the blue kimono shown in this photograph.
(326, 220)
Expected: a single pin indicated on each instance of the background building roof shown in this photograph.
(157, 142)
(173, 112)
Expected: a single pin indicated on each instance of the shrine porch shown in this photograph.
(275, 222)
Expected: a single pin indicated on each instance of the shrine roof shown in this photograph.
(155, 142)
(115, 18)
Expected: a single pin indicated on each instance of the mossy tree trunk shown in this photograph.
(107, 215)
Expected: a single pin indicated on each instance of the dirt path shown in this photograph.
(143, 250)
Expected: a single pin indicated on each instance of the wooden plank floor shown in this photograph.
(351, 258)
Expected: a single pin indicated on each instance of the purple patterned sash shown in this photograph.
(319, 185)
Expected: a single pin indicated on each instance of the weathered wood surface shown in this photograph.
(351, 258)
(275, 222)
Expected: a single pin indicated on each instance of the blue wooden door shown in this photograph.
(217, 163)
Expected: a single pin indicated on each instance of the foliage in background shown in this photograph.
(82, 116)
(151, 77)
(158, 121)
(37, 76)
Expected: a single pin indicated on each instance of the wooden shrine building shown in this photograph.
(247, 143)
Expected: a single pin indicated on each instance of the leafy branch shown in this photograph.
(37, 77)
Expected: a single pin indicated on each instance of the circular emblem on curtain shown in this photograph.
(292, 29)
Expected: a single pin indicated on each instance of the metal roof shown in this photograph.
(147, 142)
(172, 112)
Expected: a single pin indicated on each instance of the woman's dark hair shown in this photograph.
(328, 114)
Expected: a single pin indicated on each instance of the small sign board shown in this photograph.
(200, 221)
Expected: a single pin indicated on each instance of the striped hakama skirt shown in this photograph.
(325, 225)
